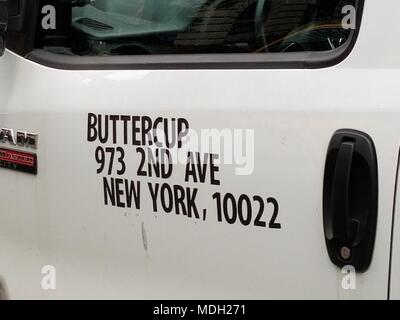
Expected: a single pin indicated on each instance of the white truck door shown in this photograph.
(178, 159)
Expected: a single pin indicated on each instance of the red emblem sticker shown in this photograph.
(18, 160)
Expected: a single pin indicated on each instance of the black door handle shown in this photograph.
(340, 191)
(350, 199)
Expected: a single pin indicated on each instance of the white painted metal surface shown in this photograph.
(58, 217)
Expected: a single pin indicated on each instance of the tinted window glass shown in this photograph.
(122, 27)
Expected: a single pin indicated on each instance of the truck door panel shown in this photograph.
(83, 216)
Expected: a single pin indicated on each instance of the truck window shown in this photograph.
(151, 27)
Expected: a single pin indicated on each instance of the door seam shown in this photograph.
(392, 227)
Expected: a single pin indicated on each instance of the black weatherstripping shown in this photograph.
(3, 24)
(350, 199)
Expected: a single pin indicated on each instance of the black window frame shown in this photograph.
(22, 43)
